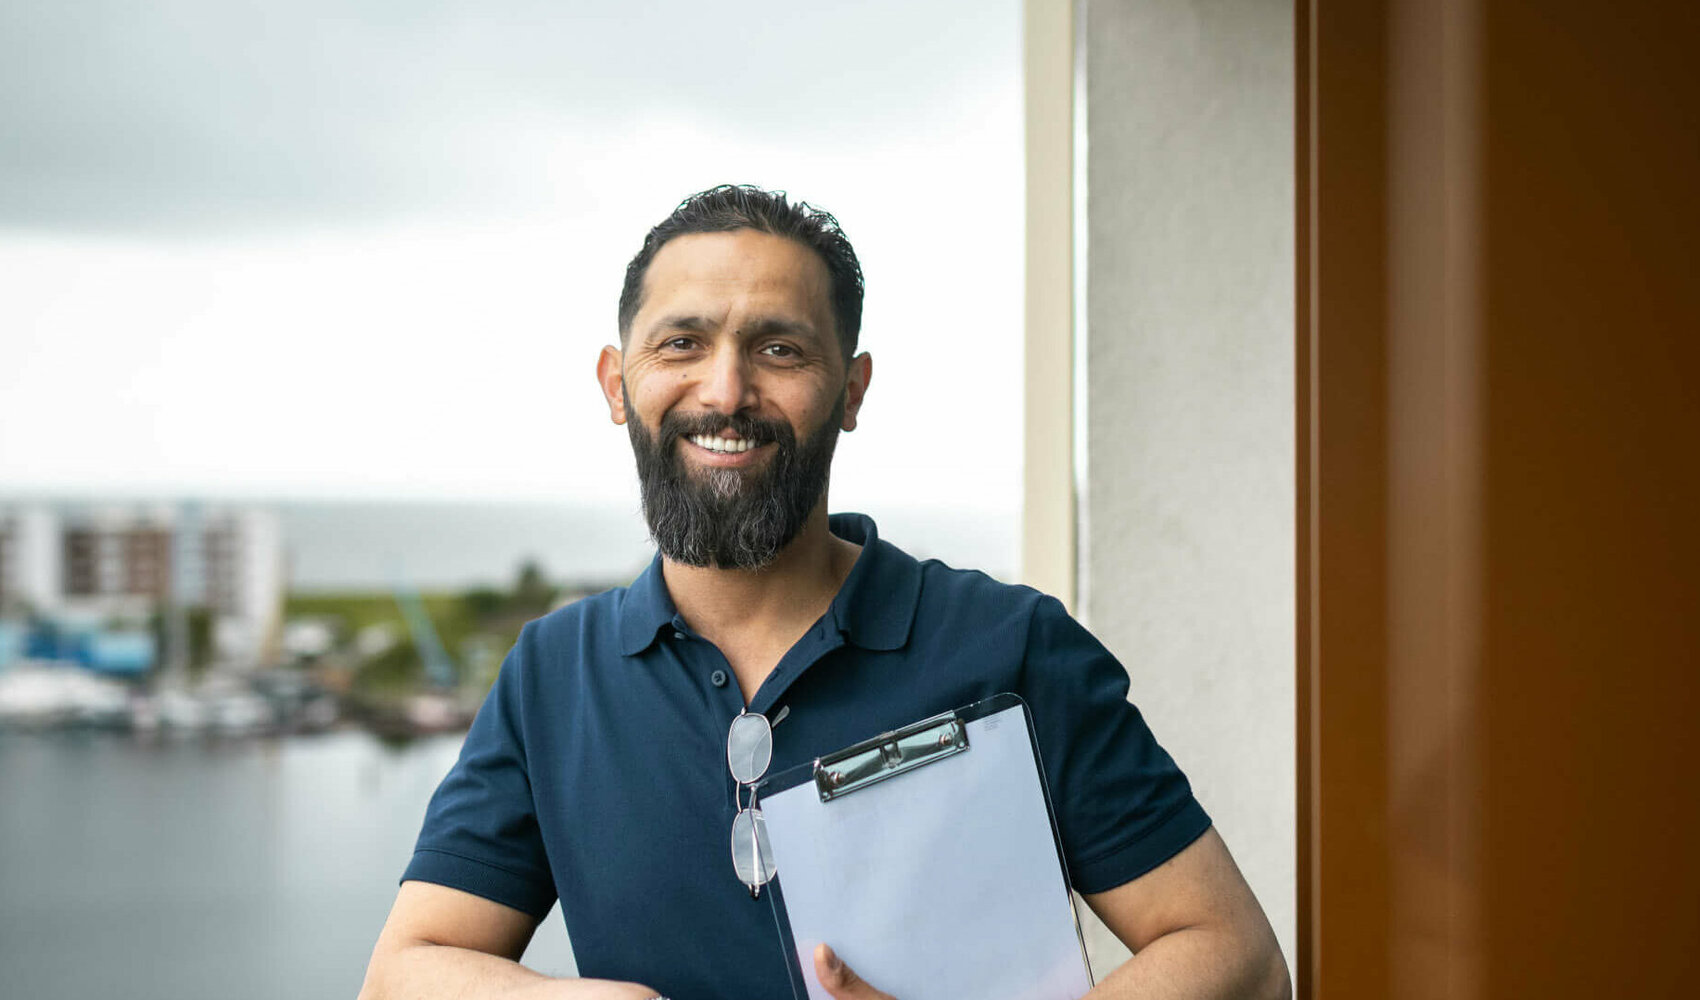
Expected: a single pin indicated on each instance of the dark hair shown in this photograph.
(731, 207)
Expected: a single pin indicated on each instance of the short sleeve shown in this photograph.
(480, 833)
(1122, 805)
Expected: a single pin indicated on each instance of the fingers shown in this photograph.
(840, 980)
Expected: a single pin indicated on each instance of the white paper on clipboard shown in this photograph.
(940, 883)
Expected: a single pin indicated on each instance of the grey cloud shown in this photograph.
(196, 115)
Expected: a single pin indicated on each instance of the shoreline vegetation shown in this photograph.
(399, 664)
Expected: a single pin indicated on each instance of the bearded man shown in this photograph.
(596, 771)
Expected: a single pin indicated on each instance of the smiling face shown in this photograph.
(734, 387)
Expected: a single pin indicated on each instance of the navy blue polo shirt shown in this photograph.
(596, 769)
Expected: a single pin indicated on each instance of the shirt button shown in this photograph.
(678, 635)
(718, 678)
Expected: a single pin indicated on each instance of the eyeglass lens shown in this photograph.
(752, 856)
(749, 747)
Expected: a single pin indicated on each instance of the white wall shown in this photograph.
(1187, 507)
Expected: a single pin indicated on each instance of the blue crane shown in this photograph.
(439, 668)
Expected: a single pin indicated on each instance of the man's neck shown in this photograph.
(753, 612)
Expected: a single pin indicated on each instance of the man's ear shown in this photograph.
(855, 387)
(610, 366)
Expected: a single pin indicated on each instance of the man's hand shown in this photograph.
(840, 980)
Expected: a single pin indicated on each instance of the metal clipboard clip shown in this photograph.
(888, 755)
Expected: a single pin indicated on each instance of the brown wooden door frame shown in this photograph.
(1388, 355)
(1341, 482)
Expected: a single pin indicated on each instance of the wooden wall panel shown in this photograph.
(1499, 631)
(1591, 486)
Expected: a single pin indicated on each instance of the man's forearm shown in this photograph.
(425, 970)
(1199, 962)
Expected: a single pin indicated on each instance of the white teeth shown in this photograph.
(726, 446)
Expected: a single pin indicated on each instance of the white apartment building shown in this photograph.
(29, 560)
(126, 562)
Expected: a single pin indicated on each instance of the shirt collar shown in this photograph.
(876, 605)
(647, 608)
(874, 609)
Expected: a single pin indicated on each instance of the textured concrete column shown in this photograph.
(1186, 543)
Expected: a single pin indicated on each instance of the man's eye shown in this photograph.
(779, 351)
(679, 344)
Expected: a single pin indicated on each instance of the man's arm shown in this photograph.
(1194, 927)
(1195, 930)
(442, 942)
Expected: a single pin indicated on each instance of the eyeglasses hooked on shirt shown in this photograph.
(749, 751)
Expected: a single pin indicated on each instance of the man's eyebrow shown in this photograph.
(687, 323)
(771, 326)
(764, 327)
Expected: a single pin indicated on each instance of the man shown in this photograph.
(596, 771)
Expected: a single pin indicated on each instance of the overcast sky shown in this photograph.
(371, 248)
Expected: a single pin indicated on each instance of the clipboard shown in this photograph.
(928, 858)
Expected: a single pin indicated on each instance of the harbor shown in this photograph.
(46, 695)
(220, 726)
(188, 619)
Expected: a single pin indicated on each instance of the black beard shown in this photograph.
(730, 518)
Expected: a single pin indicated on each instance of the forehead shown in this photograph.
(716, 273)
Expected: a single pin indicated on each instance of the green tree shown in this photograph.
(533, 594)
(200, 657)
(398, 668)
(484, 603)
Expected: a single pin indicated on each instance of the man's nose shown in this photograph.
(726, 386)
